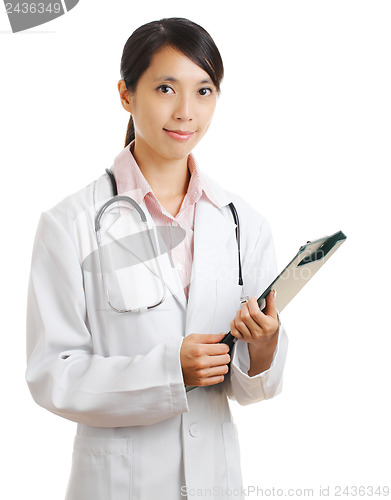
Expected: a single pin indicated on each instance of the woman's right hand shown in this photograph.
(204, 361)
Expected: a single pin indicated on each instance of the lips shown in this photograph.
(179, 135)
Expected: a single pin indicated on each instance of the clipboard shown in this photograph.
(304, 265)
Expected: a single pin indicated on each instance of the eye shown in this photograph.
(205, 91)
(165, 89)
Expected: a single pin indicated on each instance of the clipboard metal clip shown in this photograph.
(323, 250)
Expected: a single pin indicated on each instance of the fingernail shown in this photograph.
(274, 294)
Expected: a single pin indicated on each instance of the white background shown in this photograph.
(302, 131)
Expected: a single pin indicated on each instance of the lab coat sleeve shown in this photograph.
(260, 269)
(265, 385)
(64, 375)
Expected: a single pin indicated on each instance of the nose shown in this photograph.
(184, 108)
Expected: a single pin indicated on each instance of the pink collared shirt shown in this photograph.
(130, 178)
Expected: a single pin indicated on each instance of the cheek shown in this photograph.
(207, 115)
(148, 120)
(204, 124)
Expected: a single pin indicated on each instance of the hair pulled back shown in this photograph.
(185, 36)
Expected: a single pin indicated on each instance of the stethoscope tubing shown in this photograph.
(128, 199)
(231, 206)
(143, 218)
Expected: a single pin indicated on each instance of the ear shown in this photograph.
(125, 96)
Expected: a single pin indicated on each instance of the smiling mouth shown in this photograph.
(179, 135)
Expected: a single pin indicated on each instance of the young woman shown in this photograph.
(124, 376)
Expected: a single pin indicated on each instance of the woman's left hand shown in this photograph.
(254, 326)
(260, 330)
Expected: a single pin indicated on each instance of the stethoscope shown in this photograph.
(154, 245)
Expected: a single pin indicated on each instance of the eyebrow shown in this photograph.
(168, 78)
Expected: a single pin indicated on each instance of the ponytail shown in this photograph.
(129, 132)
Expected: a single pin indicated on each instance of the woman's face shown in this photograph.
(172, 106)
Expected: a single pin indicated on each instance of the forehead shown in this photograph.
(168, 63)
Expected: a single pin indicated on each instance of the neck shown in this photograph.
(168, 179)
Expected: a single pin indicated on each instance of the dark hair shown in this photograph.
(185, 36)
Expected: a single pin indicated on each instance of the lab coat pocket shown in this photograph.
(232, 457)
(101, 469)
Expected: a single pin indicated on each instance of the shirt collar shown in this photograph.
(132, 182)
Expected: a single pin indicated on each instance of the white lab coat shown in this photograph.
(140, 435)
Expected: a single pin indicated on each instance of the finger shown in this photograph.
(234, 331)
(211, 380)
(266, 323)
(241, 327)
(251, 315)
(256, 314)
(207, 338)
(219, 360)
(271, 309)
(195, 344)
(215, 349)
(213, 371)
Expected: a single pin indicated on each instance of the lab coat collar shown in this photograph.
(220, 197)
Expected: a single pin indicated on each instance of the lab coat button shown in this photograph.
(178, 267)
(194, 430)
(174, 223)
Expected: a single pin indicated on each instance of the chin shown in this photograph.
(179, 152)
